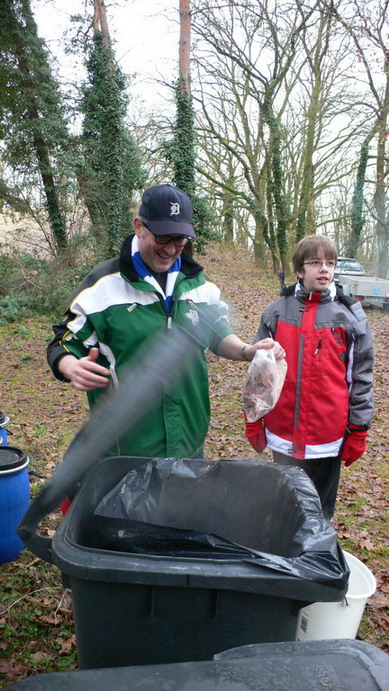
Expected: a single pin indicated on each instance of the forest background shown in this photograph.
(274, 118)
(276, 123)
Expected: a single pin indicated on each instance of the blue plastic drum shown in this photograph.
(14, 500)
(3, 432)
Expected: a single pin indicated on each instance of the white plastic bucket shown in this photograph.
(324, 620)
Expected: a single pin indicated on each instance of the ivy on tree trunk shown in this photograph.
(110, 170)
(32, 124)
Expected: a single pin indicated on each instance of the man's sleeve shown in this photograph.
(65, 342)
(221, 325)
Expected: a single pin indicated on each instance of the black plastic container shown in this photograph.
(137, 609)
(340, 665)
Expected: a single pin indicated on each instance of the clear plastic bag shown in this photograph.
(263, 387)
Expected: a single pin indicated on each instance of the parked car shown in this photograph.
(347, 266)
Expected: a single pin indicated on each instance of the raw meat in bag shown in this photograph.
(265, 380)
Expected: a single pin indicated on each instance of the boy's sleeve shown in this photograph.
(360, 377)
(265, 330)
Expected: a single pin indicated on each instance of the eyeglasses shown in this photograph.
(179, 241)
(317, 263)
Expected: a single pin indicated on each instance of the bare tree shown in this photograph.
(237, 36)
(366, 24)
(273, 90)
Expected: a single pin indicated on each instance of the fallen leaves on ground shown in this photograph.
(36, 622)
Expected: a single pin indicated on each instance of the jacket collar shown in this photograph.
(304, 295)
(308, 295)
(189, 267)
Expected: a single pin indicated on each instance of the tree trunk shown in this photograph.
(184, 47)
(184, 136)
(259, 242)
(305, 214)
(100, 23)
(357, 215)
(57, 221)
(277, 183)
(108, 86)
(99, 223)
(227, 214)
(380, 194)
(304, 224)
(56, 217)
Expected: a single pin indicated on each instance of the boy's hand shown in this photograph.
(255, 433)
(355, 444)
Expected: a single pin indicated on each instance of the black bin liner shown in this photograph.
(175, 560)
(264, 513)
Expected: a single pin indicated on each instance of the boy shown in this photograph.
(326, 405)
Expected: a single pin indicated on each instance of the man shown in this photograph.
(124, 301)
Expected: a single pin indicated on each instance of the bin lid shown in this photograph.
(306, 666)
(11, 458)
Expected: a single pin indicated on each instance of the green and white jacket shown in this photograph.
(117, 311)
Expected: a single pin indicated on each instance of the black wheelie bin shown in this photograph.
(176, 560)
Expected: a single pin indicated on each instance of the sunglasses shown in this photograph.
(179, 241)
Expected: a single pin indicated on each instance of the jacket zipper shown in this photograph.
(169, 323)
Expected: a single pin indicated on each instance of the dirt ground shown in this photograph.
(36, 619)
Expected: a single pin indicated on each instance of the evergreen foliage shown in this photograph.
(276, 183)
(32, 122)
(357, 215)
(29, 285)
(111, 169)
(181, 155)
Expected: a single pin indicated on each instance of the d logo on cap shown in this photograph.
(167, 211)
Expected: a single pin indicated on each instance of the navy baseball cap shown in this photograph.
(167, 211)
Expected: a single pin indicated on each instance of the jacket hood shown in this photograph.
(334, 292)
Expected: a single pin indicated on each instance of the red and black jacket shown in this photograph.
(329, 379)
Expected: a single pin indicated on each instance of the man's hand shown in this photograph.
(84, 373)
(266, 344)
(232, 348)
